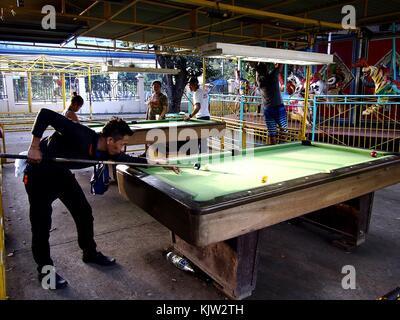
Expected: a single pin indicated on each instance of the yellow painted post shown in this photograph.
(2, 246)
(29, 92)
(222, 143)
(64, 93)
(90, 92)
(3, 141)
(244, 137)
(306, 96)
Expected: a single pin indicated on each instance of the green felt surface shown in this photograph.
(240, 173)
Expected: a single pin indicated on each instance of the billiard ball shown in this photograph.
(264, 179)
(373, 154)
(197, 166)
(206, 167)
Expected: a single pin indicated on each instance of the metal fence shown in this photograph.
(45, 88)
(48, 88)
(113, 90)
(20, 86)
(3, 89)
(364, 121)
(245, 114)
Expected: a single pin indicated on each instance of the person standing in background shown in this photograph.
(200, 101)
(273, 107)
(74, 107)
(157, 104)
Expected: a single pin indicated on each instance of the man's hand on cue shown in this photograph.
(174, 169)
(34, 155)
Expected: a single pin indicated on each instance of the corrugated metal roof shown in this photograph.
(185, 24)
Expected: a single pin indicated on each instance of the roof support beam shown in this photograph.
(88, 8)
(125, 35)
(193, 20)
(280, 3)
(322, 8)
(110, 18)
(261, 13)
(239, 17)
(225, 34)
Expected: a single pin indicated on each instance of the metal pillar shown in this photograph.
(29, 79)
(64, 93)
(307, 90)
(90, 92)
(394, 56)
(10, 92)
(242, 132)
(285, 74)
(204, 73)
(2, 250)
(140, 92)
(306, 96)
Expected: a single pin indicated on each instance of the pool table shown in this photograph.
(164, 131)
(179, 115)
(215, 213)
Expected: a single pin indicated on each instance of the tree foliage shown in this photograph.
(193, 67)
(175, 84)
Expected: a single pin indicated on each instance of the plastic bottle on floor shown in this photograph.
(179, 262)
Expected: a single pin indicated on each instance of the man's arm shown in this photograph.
(194, 112)
(60, 123)
(34, 153)
(148, 113)
(46, 118)
(123, 157)
(196, 104)
(165, 107)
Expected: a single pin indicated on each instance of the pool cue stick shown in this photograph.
(188, 98)
(94, 162)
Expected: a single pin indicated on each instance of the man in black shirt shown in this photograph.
(46, 181)
(274, 109)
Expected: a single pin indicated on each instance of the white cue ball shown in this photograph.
(206, 167)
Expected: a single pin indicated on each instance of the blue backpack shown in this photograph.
(100, 179)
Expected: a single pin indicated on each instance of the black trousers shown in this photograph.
(44, 184)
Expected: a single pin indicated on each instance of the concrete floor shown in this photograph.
(295, 263)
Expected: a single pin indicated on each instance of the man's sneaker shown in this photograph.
(59, 283)
(98, 258)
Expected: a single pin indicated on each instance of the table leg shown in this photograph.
(349, 219)
(232, 264)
